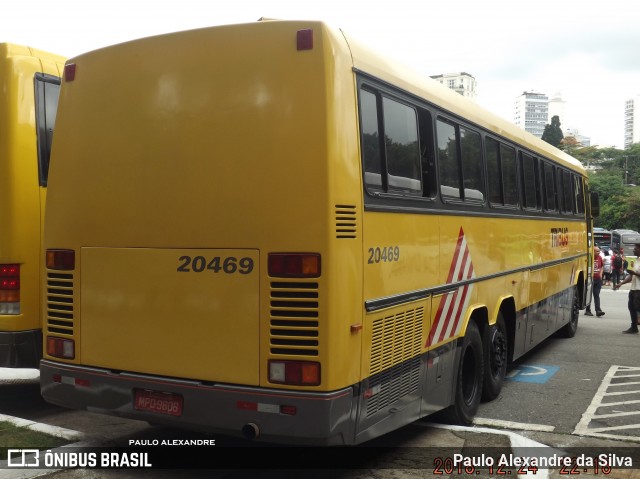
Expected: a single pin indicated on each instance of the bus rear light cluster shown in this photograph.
(9, 289)
(61, 259)
(294, 265)
(61, 348)
(295, 373)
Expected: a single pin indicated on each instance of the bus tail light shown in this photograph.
(9, 289)
(294, 265)
(297, 373)
(61, 348)
(62, 259)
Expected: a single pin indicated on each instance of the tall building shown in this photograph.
(461, 82)
(632, 121)
(556, 108)
(531, 112)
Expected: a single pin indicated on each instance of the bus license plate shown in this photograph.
(158, 402)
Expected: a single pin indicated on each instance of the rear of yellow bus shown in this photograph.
(204, 187)
(29, 86)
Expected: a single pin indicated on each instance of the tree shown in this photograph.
(570, 145)
(552, 133)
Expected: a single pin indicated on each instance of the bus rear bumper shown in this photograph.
(271, 415)
(20, 349)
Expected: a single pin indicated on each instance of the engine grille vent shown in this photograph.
(294, 314)
(60, 309)
(346, 222)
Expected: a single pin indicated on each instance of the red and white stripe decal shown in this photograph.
(447, 321)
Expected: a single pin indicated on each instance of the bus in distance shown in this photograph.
(29, 88)
(602, 238)
(300, 242)
(624, 240)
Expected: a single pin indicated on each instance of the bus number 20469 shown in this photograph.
(386, 254)
(229, 265)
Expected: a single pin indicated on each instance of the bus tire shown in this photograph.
(469, 378)
(569, 329)
(496, 354)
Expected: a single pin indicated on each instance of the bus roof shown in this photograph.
(433, 91)
(14, 50)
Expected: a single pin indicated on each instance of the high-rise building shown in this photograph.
(556, 108)
(461, 82)
(632, 121)
(531, 112)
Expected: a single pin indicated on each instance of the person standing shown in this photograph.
(598, 265)
(634, 293)
(616, 267)
(606, 281)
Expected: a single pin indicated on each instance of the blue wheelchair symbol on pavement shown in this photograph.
(526, 373)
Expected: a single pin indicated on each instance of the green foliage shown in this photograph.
(552, 133)
(15, 436)
(615, 174)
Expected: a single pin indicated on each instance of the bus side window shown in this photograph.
(579, 194)
(509, 175)
(460, 162)
(491, 151)
(549, 184)
(401, 148)
(47, 91)
(530, 183)
(472, 171)
(427, 153)
(370, 139)
(568, 193)
(448, 164)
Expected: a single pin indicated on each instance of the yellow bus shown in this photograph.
(29, 89)
(272, 232)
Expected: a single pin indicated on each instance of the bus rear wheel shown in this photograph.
(569, 329)
(496, 350)
(469, 378)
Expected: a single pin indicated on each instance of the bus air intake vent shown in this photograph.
(395, 358)
(294, 313)
(393, 384)
(395, 339)
(346, 222)
(60, 303)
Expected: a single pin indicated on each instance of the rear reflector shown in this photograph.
(294, 265)
(64, 259)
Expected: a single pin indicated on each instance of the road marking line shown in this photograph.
(598, 401)
(513, 425)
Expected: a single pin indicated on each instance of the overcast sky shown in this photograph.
(587, 50)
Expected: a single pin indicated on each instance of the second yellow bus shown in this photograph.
(29, 89)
